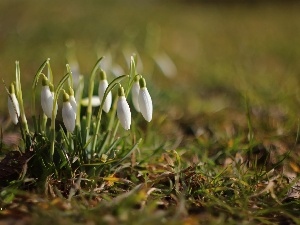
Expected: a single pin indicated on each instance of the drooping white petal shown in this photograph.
(103, 84)
(13, 108)
(73, 103)
(123, 112)
(145, 103)
(68, 116)
(47, 101)
(135, 95)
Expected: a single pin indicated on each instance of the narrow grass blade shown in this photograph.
(128, 153)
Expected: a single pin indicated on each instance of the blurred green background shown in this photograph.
(222, 51)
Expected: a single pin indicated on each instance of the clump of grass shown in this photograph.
(84, 144)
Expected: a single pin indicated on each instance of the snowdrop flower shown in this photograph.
(95, 101)
(145, 101)
(72, 100)
(123, 110)
(68, 113)
(47, 97)
(103, 84)
(13, 105)
(135, 93)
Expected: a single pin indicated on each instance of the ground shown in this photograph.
(223, 145)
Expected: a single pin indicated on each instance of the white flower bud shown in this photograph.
(123, 110)
(73, 103)
(145, 101)
(72, 100)
(13, 105)
(47, 101)
(103, 84)
(47, 97)
(135, 95)
(68, 114)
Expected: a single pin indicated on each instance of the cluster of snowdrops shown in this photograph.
(87, 126)
(140, 97)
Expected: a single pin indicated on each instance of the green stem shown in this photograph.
(132, 75)
(34, 84)
(99, 115)
(115, 131)
(78, 97)
(71, 143)
(56, 94)
(112, 119)
(91, 90)
(52, 140)
(20, 97)
(50, 74)
(44, 123)
(116, 126)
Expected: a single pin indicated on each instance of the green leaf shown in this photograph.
(38, 73)
(56, 94)
(49, 72)
(128, 153)
(91, 90)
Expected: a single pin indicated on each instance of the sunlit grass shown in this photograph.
(222, 147)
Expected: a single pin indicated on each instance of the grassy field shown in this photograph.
(222, 147)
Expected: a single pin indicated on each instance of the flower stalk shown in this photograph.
(90, 94)
(34, 84)
(20, 97)
(99, 115)
(52, 128)
(132, 76)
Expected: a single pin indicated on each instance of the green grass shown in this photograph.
(223, 146)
